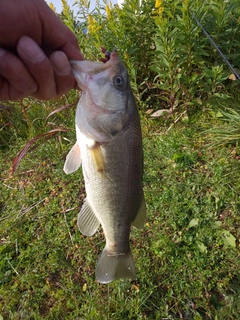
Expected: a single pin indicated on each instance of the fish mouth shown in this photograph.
(86, 71)
(109, 55)
(89, 73)
(89, 67)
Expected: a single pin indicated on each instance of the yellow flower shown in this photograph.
(65, 6)
(84, 3)
(185, 5)
(93, 26)
(158, 3)
(108, 11)
(159, 7)
(84, 287)
(51, 5)
(91, 23)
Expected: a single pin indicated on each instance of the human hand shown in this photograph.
(35, 48)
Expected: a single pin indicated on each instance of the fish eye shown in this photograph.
(118, 82)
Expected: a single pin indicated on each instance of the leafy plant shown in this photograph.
(228, 132)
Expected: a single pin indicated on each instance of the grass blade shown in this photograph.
(30, 145)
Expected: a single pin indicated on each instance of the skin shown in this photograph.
(35, 49)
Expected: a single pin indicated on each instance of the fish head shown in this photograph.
(106, 92)
(104, 84)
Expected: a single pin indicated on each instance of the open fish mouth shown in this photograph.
(110, 59)
(85, 70)
(107, 55)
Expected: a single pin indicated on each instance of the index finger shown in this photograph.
(57, 36)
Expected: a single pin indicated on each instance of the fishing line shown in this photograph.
(215, 45)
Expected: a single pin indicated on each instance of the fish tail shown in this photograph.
(115, 266)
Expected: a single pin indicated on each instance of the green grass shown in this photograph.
(187, 255)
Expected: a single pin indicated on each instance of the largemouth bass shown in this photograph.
(109, 148)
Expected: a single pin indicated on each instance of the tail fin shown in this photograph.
(115, 266)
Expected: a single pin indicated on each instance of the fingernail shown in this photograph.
(60, 63)
(30, 49)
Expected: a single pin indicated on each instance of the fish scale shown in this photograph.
(109, 147)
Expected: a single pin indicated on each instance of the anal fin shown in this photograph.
(140, 218)
(87, 221)
(73, 160)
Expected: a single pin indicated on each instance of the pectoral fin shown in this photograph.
(73, 160)
(139, 221)
(87, 221)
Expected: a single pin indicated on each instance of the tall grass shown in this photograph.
(171, 62)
